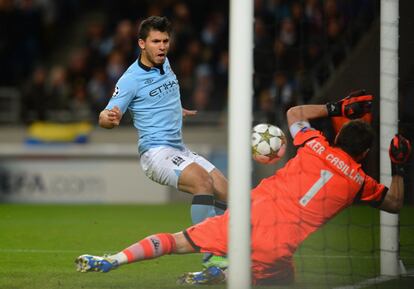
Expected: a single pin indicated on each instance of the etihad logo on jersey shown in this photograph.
(163, 88)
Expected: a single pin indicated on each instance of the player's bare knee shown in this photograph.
(204, 185)
(182, 245)
(196, 180)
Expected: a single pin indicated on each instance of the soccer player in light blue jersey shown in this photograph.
(150, 91)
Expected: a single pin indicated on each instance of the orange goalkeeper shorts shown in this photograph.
(271, 253)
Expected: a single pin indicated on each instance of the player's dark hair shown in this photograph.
(154, 23)
(355, 137)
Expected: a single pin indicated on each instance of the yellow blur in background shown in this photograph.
(52, 132)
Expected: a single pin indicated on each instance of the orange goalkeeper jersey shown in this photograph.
(315, 185)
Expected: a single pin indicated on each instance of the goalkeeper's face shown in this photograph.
(154, 48)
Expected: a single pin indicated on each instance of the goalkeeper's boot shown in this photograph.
(89, 263)
(209, 276)
(211, 260)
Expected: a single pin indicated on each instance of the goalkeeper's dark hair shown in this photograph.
(355, 137)
(157, 23)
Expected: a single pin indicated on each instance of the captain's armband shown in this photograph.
(298, 126)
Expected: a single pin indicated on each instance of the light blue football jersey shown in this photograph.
(152, 96)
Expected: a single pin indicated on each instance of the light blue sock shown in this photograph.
(220, 207)
(202, 207)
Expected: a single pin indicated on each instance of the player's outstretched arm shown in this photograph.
(394, 199)
(306, 112)
(110, 118)
(399, 151)
(355, 105)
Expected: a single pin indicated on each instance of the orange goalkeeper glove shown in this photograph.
(399, 151)
(355, 105)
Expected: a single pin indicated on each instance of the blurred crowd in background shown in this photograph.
(64, 57)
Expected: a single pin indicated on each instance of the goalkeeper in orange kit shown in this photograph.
(319, 182)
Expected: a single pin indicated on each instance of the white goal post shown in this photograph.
(239, 148)
(389, 244)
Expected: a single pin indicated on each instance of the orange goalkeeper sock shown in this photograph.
(151, 247)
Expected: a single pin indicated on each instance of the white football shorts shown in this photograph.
(165, 164)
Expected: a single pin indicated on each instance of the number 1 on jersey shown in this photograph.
(324, 178)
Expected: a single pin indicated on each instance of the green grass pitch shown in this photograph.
(38, 245)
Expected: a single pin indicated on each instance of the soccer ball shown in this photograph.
(268, 143)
